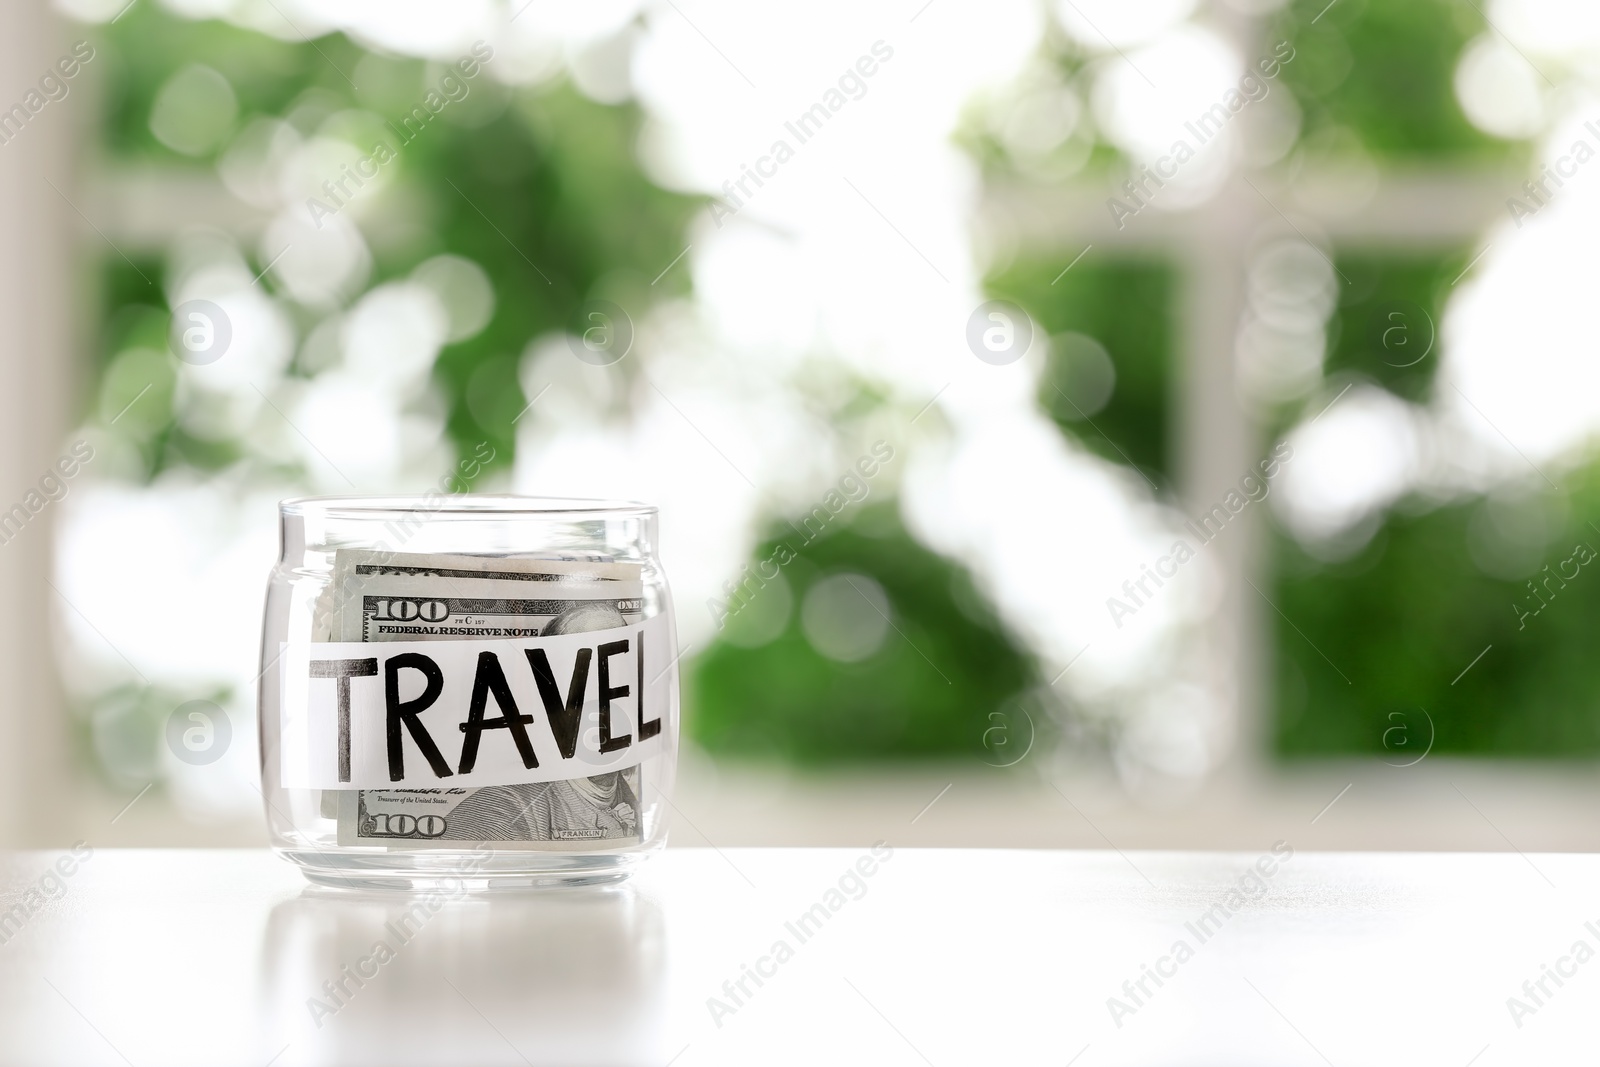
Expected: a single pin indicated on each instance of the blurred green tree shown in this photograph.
(942, 664)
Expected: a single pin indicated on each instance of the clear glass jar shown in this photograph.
(467, 691)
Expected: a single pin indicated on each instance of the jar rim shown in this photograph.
(476, 505)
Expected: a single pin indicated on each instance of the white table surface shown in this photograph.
(949, 957)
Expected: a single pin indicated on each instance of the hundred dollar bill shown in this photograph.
(576, 815)
(459, 597)
(354, 570)
(427, 608)
(365, 564)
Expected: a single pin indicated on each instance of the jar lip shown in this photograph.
(475, 505)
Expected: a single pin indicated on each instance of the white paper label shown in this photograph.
(429, 714)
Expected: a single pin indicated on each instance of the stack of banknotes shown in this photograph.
(489, 598)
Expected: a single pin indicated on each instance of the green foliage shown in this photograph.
(944, 665)
(547, 198)
(1392, 629)
(149, 44)
(1362, 644)
(1384, 71)
(538, 187)
(125, 728)
(1386, 326)
(1128, 306)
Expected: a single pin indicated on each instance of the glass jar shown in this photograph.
(467, 691)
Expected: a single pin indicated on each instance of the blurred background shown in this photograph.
(1202, 395)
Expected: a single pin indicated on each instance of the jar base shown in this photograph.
(460, 872)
